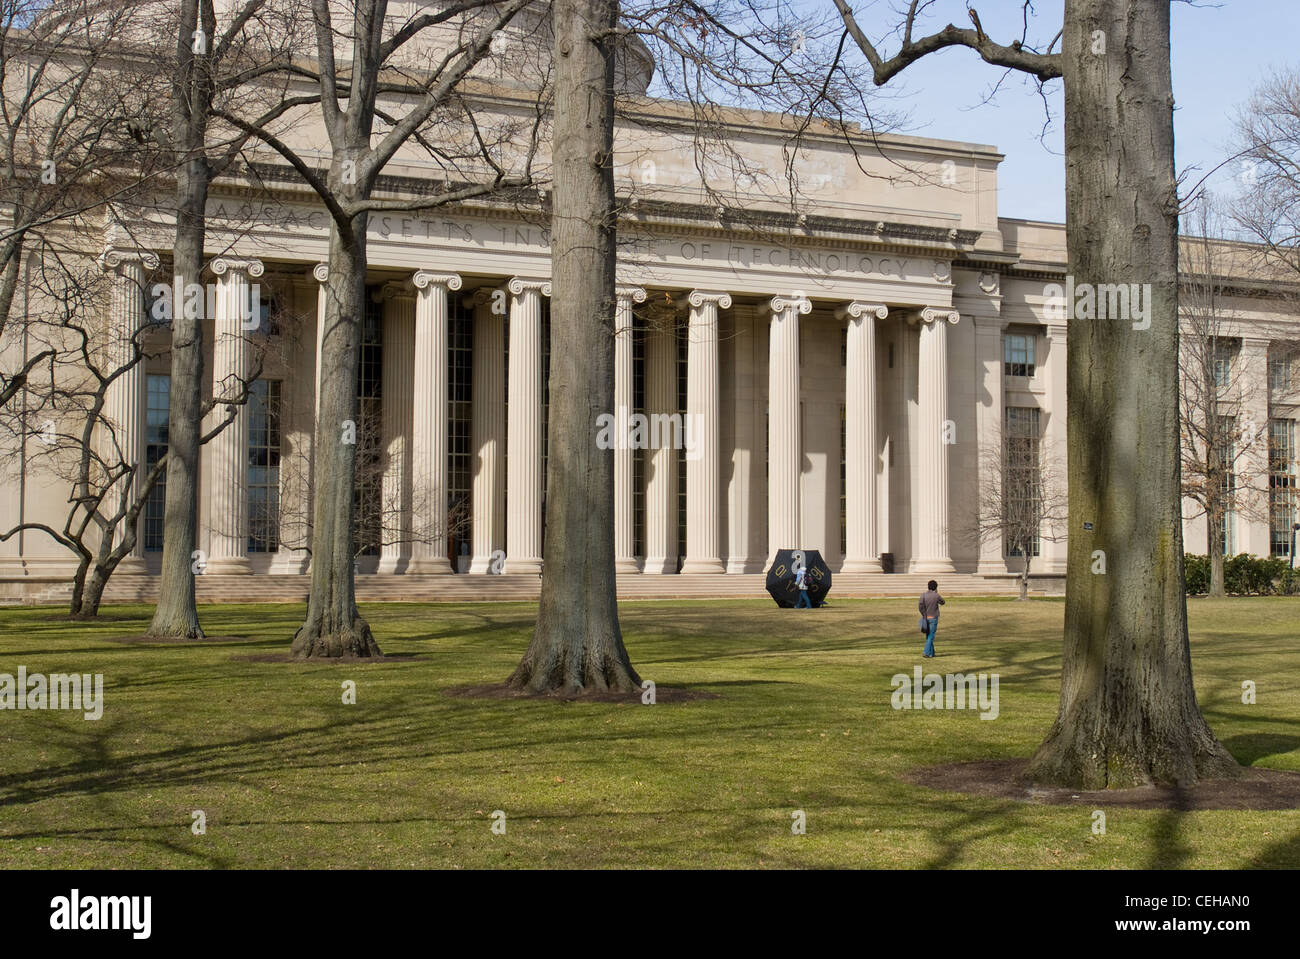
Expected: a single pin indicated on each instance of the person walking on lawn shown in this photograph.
(928, 605)
(801, 580)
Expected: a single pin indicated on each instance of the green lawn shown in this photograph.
(289, 776)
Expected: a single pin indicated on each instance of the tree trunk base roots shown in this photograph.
(175, 630)
(1079, 760)
(351, 641)
(570, 676)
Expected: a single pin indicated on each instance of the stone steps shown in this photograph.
(373, 588)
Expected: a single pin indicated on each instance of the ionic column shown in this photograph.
(488, 428)
(429, 424)
(624, 455)
(931, 554)
(321, 273)
(861, 440)
(700, 434)
(661, 459)
(783, 440)
(297, 436)
(228, 499)
(399, 399)
(524, 434)
(125, 400)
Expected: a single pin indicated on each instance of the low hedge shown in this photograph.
(1244, 575)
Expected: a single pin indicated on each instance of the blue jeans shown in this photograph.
(929, 636)
(804, 601)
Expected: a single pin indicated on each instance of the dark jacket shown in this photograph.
(929, 604)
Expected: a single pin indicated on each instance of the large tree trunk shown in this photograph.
(79, 586)
(334, 627)
(176, 614)
(93, 593)
(1128, 713)
(577, 645)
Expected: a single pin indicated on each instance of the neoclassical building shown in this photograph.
(823, 374)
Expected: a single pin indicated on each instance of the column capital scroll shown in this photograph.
(423, 279)
(114, 257)
(698, 298)
(857, 309)
(782, 304)
(224, 264)
(519, 284)
(932, 313)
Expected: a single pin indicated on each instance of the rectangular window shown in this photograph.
(1281, 485)
(1279, 373)
(1222, 353)
(368, 484)
(639, 454)
(264, 467)
(1228, 481)
(460, 459)
(844, 479)
(157, 410)
(1021, 480)
(1018, 354)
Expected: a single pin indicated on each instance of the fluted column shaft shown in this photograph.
(429, 424)
(700, 434)
(784, 445)
(524, 435)
(861, 440)
(488, 431)
(932, 552)
(624, 456)
(125, 400)
(661, 460)
(228, 510)
(399, 399)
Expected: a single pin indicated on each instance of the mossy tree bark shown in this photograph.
(176, 614)
(577, 645)
(1128, 714)
(334, 626)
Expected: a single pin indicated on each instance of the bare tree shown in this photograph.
(577, 645)
(69, 137)
(1221, 444)
(81, 437)
(227, 66)
(1022, 492)
(417, 103)
(1128, 714)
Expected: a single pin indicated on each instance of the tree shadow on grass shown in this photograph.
(1248, 748)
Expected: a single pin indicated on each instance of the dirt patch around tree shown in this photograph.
(173, 640)
(1255, 789)
(663, 694)
(324, 660)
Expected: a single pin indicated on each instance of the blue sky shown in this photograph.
(1220, 54)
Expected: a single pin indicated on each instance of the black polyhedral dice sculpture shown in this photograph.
(781, 584)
